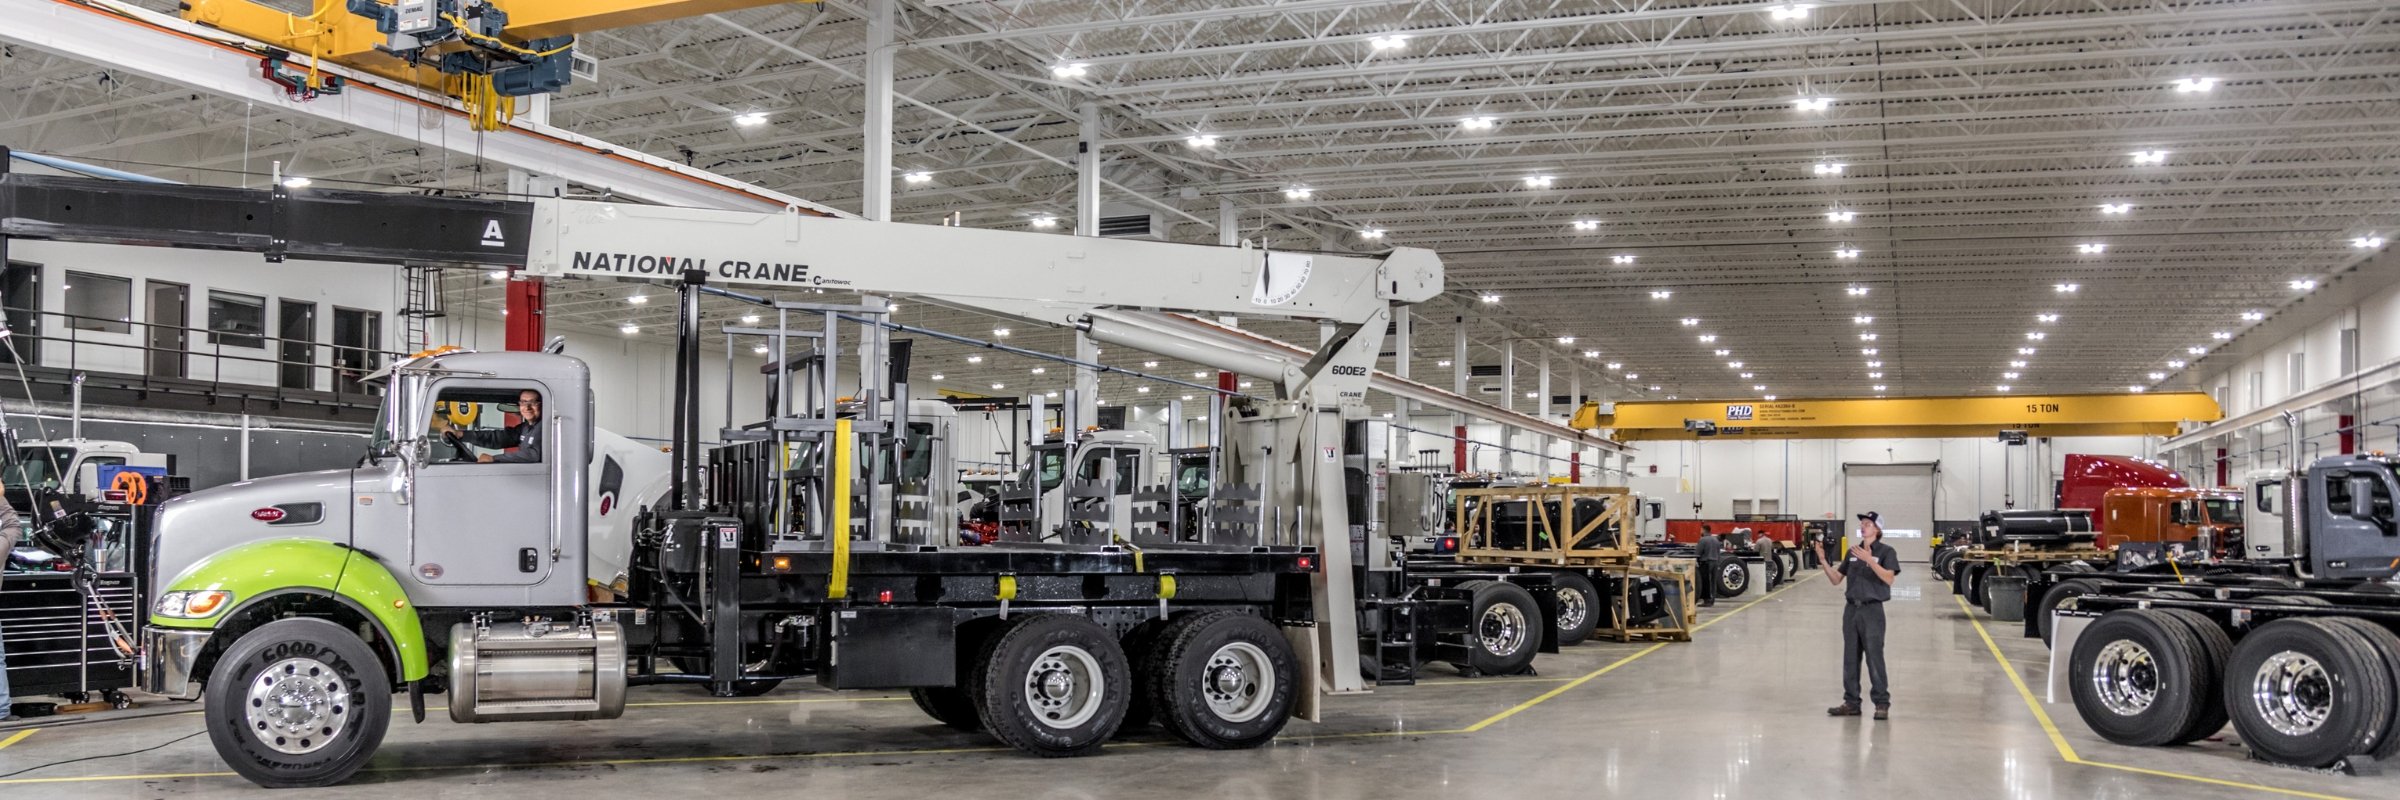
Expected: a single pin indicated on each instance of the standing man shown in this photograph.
(1712, 553)
(1865, 576)
(11, 530)
(1771, 566)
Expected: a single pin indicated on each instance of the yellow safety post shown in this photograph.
(839, 586)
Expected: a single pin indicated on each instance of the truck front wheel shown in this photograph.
(298, 702)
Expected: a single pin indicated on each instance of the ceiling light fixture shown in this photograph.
(2025, 351)
(749, 319)
(2136, 389)
(1041, 370)
(629, 329)
(2045, 317)
(1769, 398)
(2304, 284)
(1868, 337)
(297, 182)
(2091, 248)
(638, 299)
(2253, 316)
(1706, 338)
(1045, 221)
(1878, 387)
(2158, 376)
(1200, 141)
(1070, 69)
(498, 274)
(1812, 103)
(2196, 350)
(1141, 389)
(1394, 41)
(1861, 319)
(919, 176)
(1840, 216)
(1661, 294)
(1874, 365)
(1846, 252)
(1859, 291)
(2036, 335)
(2149, 157)
(1297, 193)
(1442, 363)
(1540, 181)
(1566, 340)
(1593, 354)
(1748, 375)
(2194, 85)
(1001, 333)
(1789, 11)
(750, 119)
(2066, 288)
(1830, 167)
(1868, 351)
(998, 386)
(1370, 233)
(2009, 375)
(1587, 224)
(937, 376)
(1874, 375)
(2002, 387)
(1758, 387)
(1478, 123)
(1615, 365)
(974, 359)
(1489, 298)
(2116, 208)
(2367, 242)
(1149, 365)
(1690, 321)
(1722, 352)
(1621, 259)
(2017, 364)
(2175, 364)
(2221, 335)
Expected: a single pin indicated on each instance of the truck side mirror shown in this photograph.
(2362, 494)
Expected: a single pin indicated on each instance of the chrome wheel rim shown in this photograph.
(298, 706)
(1063, 687)
(1239, 682)
(1502, 629)
(2125, 676)
(1571, 609)
(2293, 693)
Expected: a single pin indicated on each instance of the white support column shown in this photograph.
(1541, 408)
(1229, 223)
(1087, 174)
(1508, 400)
(875, 190)
(1087, 381)
(1458, 373)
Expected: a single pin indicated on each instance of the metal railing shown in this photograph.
(325, 365)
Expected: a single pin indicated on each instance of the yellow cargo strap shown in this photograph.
(1137, 551)
(839, 586)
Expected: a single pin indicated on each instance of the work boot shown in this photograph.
(1883, 712)
(1843, 710)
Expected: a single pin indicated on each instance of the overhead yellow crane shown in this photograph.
(2159, 414)
(484, 53)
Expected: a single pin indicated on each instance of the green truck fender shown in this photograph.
(263, 570)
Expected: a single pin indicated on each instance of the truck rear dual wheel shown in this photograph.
(298, 702)
(1945, 563)
(2058, 595)
(1053, 685)
(1970, 582)
(2310, 691)
(1504, 629)
(1222, 680)
(2140, 677)
(1733, 578)
(2216, 648)
(1579, 607)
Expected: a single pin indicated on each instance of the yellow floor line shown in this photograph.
(2066, 752)
(19, 737)
(1546, 696)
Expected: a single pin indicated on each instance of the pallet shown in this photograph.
(1545, 540)
(2019, 555)
(1674, 570)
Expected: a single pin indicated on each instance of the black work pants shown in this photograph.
(1705, 576)
(1771, 566)
(1862, 638)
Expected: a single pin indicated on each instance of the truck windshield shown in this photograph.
(2224, 510)
(1049, 466)
(40, 468)
(1191, 477)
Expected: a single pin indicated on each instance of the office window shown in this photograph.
(101, 303)
(237, 320)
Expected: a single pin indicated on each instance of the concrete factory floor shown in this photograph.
(1739, 713)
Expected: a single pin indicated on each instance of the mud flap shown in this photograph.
(1308, 697)
(2064, 630)
(416, 700)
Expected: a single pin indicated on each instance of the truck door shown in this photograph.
(481, 514)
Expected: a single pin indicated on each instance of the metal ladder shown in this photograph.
(424, 303)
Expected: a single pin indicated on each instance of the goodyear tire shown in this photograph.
(1579, 607)
(1053, 685)
(1503, 631)
(2058, 595)
(2308, 692)
(2387, 645)
(2216, 648)
(1733, 578)
(298, 702)
(2137, 677)
(1228, 682)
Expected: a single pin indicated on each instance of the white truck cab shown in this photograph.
(72, 465)
(1124, 460)
(2262, 516)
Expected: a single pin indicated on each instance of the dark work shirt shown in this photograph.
(526, 437)
(1859, 583)
(1711, 548)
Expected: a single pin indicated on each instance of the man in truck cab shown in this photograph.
(525, 436)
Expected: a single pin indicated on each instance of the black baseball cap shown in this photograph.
(1872, 517)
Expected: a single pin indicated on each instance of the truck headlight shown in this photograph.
(200, 604)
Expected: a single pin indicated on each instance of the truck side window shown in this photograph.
(2263, 495)
(2337, 493)
(501, 425)
(1127, 461)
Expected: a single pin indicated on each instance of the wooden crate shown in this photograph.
(1678, 572)
(1546, 539)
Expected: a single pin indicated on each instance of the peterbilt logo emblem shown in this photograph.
(267, 514)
